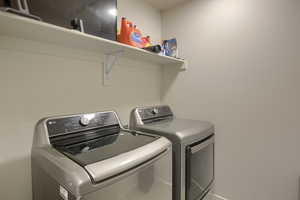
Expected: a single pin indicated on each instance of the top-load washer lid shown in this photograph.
(108, 146)
(161, 120)
(98, 143)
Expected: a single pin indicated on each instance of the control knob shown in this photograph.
(154, 111)
(84, 121)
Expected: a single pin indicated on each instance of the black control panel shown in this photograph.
(77, 123)
(155, 112)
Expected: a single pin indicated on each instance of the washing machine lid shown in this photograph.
(127, 161)
(108, 146)
(114, 154)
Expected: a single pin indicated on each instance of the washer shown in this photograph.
(193, 148)
(91, 157)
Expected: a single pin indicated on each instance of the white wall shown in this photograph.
(243, 75)
(38, 80)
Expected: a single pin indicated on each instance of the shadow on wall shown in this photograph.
(16, 179)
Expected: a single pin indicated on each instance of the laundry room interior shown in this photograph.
(173, 100)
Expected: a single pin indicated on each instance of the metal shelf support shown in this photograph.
(109, 61)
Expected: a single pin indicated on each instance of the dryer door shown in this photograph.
(199, 168)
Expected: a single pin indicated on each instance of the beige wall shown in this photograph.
(243, 75)
(38, 80)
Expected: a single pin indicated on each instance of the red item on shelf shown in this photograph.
(126, 29)
(132, 36)
(147, 41)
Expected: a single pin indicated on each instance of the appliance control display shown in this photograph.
(155, 112)
(65, 125)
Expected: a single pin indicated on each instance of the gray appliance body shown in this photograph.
(92, 157)
(193, 148)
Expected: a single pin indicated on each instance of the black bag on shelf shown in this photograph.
(96, 17)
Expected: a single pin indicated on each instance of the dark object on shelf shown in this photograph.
(18, 7)
(99, 17)
(154, 49)
(77, 24)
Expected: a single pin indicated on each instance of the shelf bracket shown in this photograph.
(109, 61)
(184, 66)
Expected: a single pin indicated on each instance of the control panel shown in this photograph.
(154, 112)
(76, 123)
